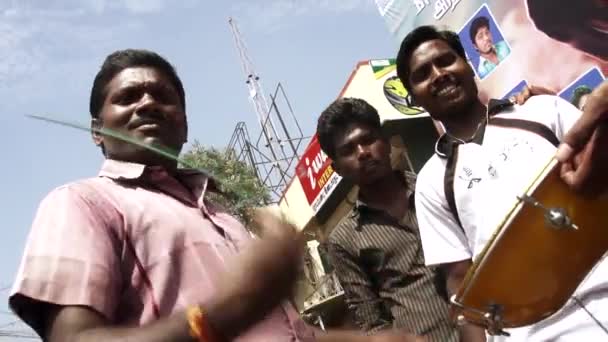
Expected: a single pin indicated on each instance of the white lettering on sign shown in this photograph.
(442, 7)
(312, 169)
(330, 185)
(420, 5)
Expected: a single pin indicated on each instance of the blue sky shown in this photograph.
(50, 51)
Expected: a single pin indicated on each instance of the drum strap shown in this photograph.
(530, 126)
(452, 158)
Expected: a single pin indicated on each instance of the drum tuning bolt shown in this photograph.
(554, 217)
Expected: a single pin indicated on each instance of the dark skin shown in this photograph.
(443, 83)
(583, 151)
(363, 156)
(142, 103)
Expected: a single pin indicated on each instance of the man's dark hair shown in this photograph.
(339, 115)
(578, 93)
(130, 58)
(476, 25)
(414, 39)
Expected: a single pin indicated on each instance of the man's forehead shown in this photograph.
(428, 50)
(351, 132)
(137, 75)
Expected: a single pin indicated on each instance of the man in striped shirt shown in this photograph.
(376, 249)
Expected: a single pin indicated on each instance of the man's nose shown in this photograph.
(363, 152)
(147, 104)
(438, 75)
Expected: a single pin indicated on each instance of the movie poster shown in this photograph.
(558, 44)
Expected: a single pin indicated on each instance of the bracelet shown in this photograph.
(199, 327)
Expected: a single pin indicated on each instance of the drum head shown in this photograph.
(530, 268)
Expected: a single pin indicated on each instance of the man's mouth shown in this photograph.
(147, 124)
(369, 166)
(446, 90)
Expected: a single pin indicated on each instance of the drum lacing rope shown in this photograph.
(597, 321)
(582, 305)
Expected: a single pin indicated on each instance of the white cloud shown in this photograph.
(273, 14)
(40, 43)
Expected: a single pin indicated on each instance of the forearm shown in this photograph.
(472, 333)
(341, 336)
(226, 317)
(455, 274)
(172, 329)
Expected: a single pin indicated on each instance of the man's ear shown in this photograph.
(96, 125)
(185, 139)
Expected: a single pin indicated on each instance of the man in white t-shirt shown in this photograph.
(490, 165)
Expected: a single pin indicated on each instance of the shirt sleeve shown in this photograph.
(368, 308)
(443, 240)
(71, 257)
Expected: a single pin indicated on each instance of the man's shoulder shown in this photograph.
(540, 108)
(87, 190)
(544, 103)
(433, 169)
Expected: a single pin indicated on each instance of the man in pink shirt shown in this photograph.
(139, 253)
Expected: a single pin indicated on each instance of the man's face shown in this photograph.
(441, 81)
(483, 40)
(362, 154)
(141, 103)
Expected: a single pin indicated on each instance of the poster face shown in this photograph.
(484, 43)
(548, 43)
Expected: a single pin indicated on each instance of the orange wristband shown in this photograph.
(199, 327)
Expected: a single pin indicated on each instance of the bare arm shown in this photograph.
(583, 150)
(81, 324)
(267, 266)
(75, 324)
(354, 336)
(455, 273)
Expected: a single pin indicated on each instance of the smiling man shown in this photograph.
(140, 253)
(487, 156)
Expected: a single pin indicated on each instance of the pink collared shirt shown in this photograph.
(135, 244)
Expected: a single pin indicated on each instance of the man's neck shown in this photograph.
(491, 56)
(382, 193)
(464, 125)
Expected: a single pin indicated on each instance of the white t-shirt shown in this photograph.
(487, 180)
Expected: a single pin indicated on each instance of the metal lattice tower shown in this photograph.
(275, 152)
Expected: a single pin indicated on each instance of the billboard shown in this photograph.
(316, 175)
(376, 82)
(510, 43)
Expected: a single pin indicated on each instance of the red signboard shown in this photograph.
(316, 175)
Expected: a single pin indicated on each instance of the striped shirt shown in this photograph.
(380, 265)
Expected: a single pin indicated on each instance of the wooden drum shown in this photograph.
(545, 247)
